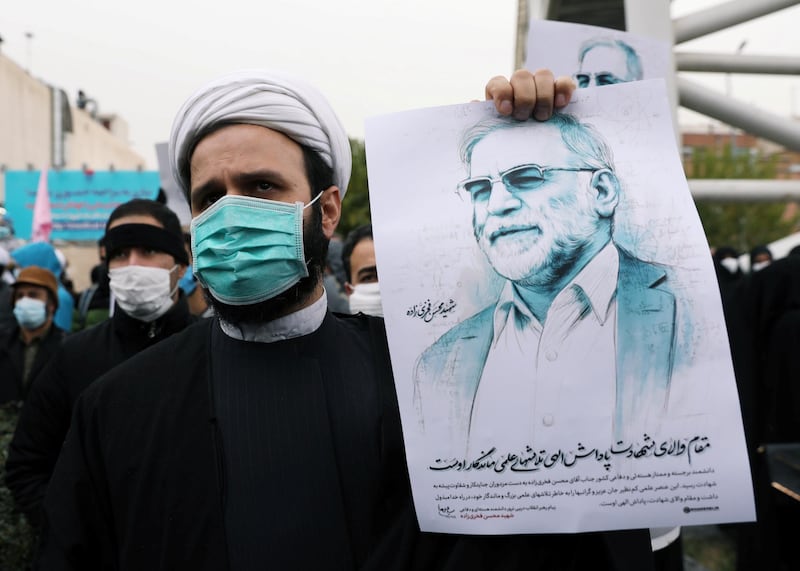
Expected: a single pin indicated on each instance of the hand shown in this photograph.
(529, 93)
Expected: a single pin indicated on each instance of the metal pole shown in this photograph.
(744, 190)
(745, 117)
(522, 34)
(724, 16)
(729, 93)
(725, 63)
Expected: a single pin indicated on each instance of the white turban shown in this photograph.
(268, 99)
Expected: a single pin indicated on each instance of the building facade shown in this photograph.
(40, 127)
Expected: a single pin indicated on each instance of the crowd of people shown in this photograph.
(55, 342)
(147, 437)
(142, 291)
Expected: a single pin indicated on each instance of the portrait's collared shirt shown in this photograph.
(297, 324)
(576, 341)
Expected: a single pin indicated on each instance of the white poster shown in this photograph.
(595, 56)
(555, 326)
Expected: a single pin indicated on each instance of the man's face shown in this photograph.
(363, 269)
(603, 65)
(531, 235)
(33, 292)
(248, 160)
(144, 256)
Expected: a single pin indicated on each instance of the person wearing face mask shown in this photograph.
(146, 259)
(729, 274)
(27, 347)
(358, 256)
(760, 258)
(269, 435)
(44, 255)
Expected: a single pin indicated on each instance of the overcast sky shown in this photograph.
(142, 59)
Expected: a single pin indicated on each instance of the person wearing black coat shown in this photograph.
(13, 387)
(729, 274)
(86, 355)
(31, 340)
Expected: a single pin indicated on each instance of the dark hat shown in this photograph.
(34, 275)
(762, 249)
(167, 236)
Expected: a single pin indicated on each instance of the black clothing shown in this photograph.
(7, 320)
(82, 358)
(782, 379)
(93, 303)
(13, 385)
(766, 345)
(764, 336)
(166, 451)
(728, 284)
(294, 392)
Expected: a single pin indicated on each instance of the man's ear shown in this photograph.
(348, 288)
(605, 185)
(331, 210)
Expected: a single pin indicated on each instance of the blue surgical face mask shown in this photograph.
(30, 313)
(188, 283)
(247, 250)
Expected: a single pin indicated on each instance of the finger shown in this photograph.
(499, 90)
(545, 91)
(524, 94)
(564, 88)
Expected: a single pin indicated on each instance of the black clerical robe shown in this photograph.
(146, 479)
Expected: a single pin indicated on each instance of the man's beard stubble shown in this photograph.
(315, 246)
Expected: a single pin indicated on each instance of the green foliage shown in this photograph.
(730, 163)
(16, 535)
(739, 224)
(355, 208)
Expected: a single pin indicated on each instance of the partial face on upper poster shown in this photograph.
(541, 194)
(593, 55)
(605, 61)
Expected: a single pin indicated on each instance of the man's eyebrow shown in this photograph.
(261, 174)
(367, 270)
(204, 188)
(241, 178)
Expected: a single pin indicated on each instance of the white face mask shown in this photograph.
(758, 266)
(142, 292)
(730, 264)
(30, 313)
(366, 298)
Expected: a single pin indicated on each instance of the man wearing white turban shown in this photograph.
(269, 436)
